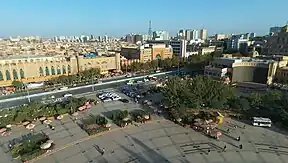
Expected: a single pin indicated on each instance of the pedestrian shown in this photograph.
(224, 149)
(228, 130)
(244, 126)
(241, 146)
(209, 151)
(238, 138)
(103, 151)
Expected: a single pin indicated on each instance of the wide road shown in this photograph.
(79, 85)
(41, 91)
(19, 102)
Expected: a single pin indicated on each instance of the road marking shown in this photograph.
(88, 138)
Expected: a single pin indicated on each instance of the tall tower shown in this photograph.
(150, 31)
(203, 34)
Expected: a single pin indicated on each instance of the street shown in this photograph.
(19, 102)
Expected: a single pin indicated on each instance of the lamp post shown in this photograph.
(27, 91)
(92, 84)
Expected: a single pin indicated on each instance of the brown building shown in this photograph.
(42, 68)
(277, 45)
(147, 52)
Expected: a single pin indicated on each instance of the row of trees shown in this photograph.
(86, 75)
(203, 92)
(37, 109)
(192, 63)
(272, 104)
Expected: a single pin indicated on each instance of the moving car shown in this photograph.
(67, 95)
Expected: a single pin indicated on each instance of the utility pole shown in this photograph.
(29, 100)
(92, 84)
(27, 91)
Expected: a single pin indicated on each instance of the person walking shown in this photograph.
(238, 138)
(102, 151)
(241, 146)
(224, 149)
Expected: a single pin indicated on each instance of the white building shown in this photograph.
(188, 35)
(195, 35)
(235, 42)
(160, 35)
(203, 34)
(179, 47)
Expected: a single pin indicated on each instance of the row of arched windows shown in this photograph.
(48, 71)
(14, 73)
(54, 71)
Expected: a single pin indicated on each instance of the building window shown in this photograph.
(64, 69)
(1, 76)
(58, 70)
(15, 75)
(22, 75)
(53, 70)
(69, 69)
(47, 71)
(8, 75)
(41, 71)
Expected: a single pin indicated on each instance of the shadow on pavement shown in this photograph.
(154, 155)
(134, 154)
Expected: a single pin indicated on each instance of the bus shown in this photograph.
(263, 122)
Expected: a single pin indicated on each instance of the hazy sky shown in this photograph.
(118, 17)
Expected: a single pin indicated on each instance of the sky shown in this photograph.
(119, 17)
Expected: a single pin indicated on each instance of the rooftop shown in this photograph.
(28, 57)
(248, 59)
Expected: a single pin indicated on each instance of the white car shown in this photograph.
(68, 95)
(128, 76)
(63, 88)
(107, 100)
(115, 98)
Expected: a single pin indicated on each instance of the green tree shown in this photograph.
(154, 64)
(199, 92)
(144, 66)
(135, 66)
(17, 84)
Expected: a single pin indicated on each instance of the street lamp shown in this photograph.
(27, 91)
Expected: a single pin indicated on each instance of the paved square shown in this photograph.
(157, 141)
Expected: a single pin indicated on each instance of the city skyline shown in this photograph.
(115, 18)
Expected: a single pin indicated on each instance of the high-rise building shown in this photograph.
(179, 47)
(182, 34)
(194, 35)
(129, 38)
(203, 34)
(160, 35)
(275, 30)
(188, 34)
(137, 39)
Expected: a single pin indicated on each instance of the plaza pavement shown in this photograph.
(158, 141)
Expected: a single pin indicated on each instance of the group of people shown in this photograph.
(238, 139)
